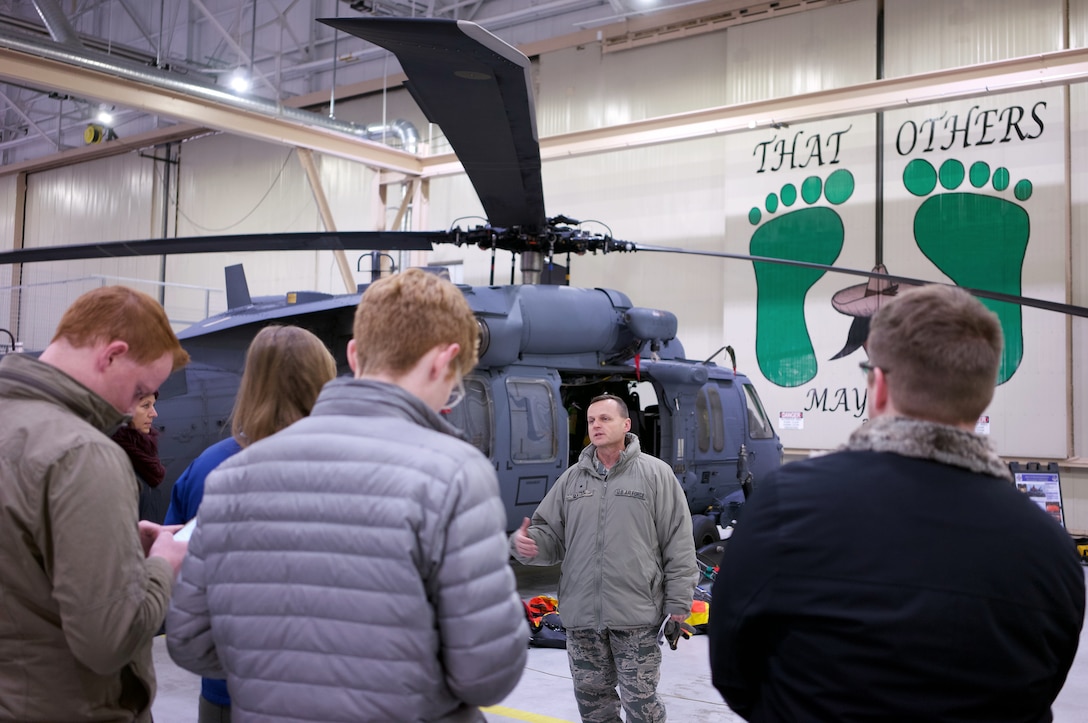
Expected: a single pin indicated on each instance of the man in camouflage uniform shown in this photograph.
(619, 522)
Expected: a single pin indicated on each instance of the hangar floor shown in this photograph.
(544, 694)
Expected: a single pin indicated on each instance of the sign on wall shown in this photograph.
(802, 193)
(971, 193)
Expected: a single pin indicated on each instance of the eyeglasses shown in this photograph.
(868, 367)
(457, 394)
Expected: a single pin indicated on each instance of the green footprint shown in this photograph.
(977, 240)
(814, 234)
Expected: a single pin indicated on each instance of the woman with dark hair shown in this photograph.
(140, 439)
(286, 366)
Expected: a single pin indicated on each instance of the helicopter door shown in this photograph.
(648, 414)
(473, 416)
(764, 446)
(530, 443)
(719, 433)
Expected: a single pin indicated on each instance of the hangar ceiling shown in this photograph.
(165, 68)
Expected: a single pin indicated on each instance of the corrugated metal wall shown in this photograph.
(925, 35)
(9, 299)
(827, 48)
(1077, 505)
(108, 200)
(231, 185)
(581, 88)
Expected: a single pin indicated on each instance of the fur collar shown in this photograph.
(928, 440)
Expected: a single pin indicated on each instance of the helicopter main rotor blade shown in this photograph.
(477, 89)
(305, 241)
(1070, 309)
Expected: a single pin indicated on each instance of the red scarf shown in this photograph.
(143, 451)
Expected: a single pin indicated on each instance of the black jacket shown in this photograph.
(869, 585)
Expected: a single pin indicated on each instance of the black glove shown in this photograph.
(673, 631)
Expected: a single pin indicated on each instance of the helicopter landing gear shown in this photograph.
(705, 531)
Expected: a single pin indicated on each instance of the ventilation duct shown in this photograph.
(56, 22)
(69, 51)
(402, 131)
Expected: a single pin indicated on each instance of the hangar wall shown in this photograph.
(9, 193)
(103, 201)
(701, 194)
(232, 185)
(218, 184)
(1076, 397)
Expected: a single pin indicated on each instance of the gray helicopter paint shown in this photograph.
(546, 350)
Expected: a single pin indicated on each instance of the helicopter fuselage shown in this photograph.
(545, 352)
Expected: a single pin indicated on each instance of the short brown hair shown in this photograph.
(112, 313)
(624, 413)
(400, 318)
(286, 366)
(940, 350)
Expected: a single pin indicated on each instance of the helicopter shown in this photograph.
(545, 352)
(546, 348)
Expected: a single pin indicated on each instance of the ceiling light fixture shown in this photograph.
(239, 81)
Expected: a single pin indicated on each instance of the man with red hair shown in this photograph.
(83, 586)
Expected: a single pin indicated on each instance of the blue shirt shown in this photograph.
(185, 499)
(188, 491)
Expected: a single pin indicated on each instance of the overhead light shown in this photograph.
(239, 81)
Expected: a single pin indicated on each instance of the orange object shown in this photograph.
(700, 613)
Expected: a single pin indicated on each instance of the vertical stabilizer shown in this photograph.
(237, 288)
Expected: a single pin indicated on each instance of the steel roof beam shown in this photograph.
(24, 67)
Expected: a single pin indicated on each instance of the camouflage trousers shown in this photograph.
(631, 659)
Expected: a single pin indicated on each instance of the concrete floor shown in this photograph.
(544, 694)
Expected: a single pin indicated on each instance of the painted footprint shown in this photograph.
(814, 234)
(977, 240)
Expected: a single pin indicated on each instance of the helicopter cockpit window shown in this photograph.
(473, 415)
(716, 415)
(702, 418)
(532, 429)
(759, 427)
(708, 414)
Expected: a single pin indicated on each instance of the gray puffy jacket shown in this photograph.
(353, 567)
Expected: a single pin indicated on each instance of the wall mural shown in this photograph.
(813, 233)
(973, 193)
(978, 241)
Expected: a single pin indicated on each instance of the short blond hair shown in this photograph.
(402, 317)
(118, 313)
(286, 367)
(940, 350)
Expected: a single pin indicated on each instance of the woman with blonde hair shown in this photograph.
(286, 366)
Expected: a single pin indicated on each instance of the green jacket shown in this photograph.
(79, 602)
(624, 540)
